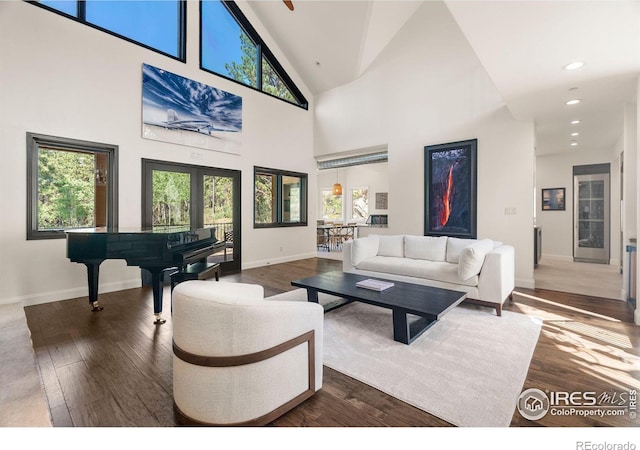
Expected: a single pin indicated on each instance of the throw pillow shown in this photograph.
(363, 248)
(455, 246)
(472, 258)
(391, 246)
(432, 248)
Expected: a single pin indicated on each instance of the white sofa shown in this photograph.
(483, 268)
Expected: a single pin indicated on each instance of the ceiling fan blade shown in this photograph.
(289, 4)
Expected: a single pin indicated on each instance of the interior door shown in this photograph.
(591, 218)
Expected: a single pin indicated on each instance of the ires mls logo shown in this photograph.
(534, 404)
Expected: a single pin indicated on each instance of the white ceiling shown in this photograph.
(523, 45)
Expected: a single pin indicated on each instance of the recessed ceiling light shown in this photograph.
(575, 122)
(574, 101)
(574, 65)
(574, 143)
(575, 134)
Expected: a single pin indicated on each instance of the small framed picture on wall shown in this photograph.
(553, 199)
(382, 200)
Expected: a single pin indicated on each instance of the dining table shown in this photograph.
(333, 234)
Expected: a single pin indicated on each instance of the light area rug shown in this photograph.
(467, 369)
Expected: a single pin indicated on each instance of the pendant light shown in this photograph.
(337, 187)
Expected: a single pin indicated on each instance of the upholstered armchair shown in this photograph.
(239, 359)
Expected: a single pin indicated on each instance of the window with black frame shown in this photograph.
(156, 25)
(230, 47)
(71, 184)
(280, 198)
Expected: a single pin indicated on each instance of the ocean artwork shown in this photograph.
(177, 109)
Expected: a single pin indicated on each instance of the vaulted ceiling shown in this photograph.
(523, 46)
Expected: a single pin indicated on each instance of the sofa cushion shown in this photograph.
(418, 268)
(391, 246)
(432, 248)
(363, 248)
(454, 247)
(472, 258)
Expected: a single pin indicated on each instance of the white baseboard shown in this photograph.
(637, 316)
(66, 294)
(556, 257)
(283, 259)
(565, 258)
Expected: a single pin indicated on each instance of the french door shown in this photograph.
(194, 196)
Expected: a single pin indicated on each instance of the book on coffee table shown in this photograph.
(374, 285)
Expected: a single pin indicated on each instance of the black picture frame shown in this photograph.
(554, 199)
(450, 185)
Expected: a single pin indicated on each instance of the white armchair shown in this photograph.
(241, 360)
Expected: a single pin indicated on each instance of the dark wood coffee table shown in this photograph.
(404, 299)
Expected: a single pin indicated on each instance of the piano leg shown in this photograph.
(156, 283)
(93, 272)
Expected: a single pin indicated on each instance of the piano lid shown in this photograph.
(177, 235)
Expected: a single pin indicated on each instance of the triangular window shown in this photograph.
(231, 47)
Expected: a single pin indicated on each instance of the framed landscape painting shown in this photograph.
(450, 184)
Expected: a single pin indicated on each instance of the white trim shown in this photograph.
(528, 283)
(556, 257)
(283, 259)
(66, 294)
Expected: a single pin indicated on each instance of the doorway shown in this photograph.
(192, 196)
(591, 213)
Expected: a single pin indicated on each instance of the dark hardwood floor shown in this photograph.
(114, 368)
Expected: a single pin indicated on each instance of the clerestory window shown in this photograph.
(230, 47)
(156, 25)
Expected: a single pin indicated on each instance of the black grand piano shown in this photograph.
(155, 250)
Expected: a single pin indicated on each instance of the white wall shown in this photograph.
(428, 87)
(62, 78)
(556, 171)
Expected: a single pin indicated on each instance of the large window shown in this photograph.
(157, 25)
(71, 184)
(280, 198)
(231, 47)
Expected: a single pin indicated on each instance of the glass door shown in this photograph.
(591, 218)
(171, 199)
(196, 197)
(218, 207)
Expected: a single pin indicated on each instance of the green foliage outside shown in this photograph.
(66, 189)
(218, 200)
(171, 198)
(265, 185)
(246, 71)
